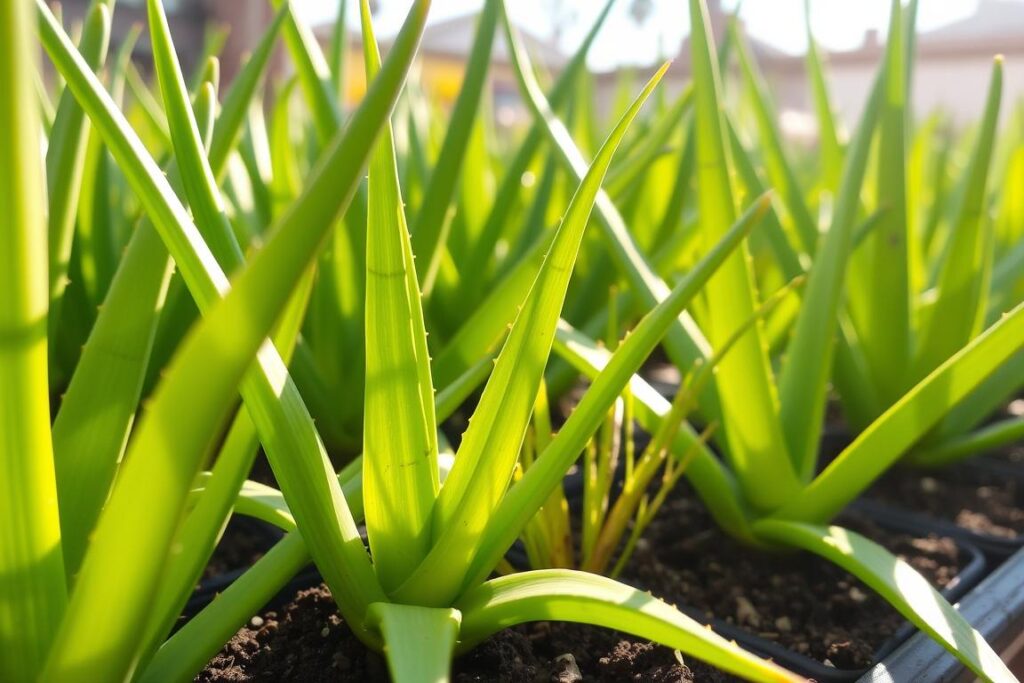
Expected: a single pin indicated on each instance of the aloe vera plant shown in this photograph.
(424, 599)
(766, 489)
(154, 500)
(926, 266)
(234, 249)
(604, 521)
(52, 599)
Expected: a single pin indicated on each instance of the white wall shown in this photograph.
(957, 85)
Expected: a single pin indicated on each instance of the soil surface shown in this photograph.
(308, 641)
(985, 501)
(797, 600)
(244, 541)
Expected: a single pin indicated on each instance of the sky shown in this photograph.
(837, 24)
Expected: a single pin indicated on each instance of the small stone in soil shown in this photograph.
(566, 670)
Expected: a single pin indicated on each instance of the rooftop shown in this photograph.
(453, 37)
(994, 19)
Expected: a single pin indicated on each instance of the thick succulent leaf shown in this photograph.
(959, 310)
(828, 136)
(529, 493)
(313, 73)
(899, 584)
(191, 647)
(779, 167)
(98, 410)
(337, 52)
(891, 435)
(745, 381)
(264, 503)
(785, 255)
(228, 127)
(565, 595)
(485, 328)
(654, 145)
(91, 430)
(884, 321)
(154, 128)
(32, 588)
(196, 175)
(102, 228)
(399, 428)
(179, 429)
(200, 531)
(418, 641)
(985, 440)
(430, 230)
(490, 447)
(684, 342)
(808, 363)
(989, 397)
(511, 184)
(65, 155)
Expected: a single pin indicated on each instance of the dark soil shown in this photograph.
(985, 501)
(308, 641)
(261, 471)
(797, 600)
(244, 541)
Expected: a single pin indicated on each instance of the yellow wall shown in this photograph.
(440, 77)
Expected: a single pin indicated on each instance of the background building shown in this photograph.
(444, 51)
(192, 22)
(952, 68)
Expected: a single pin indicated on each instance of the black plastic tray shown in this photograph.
(209, 588)
(966, 579)
(997, 548)
(973, 572)
(996, 610)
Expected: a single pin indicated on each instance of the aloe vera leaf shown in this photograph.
(198, 533)
(399, 430)
(89, 435)
(805, 374)
(313, 72)
(745, 382)
(779, 167)
(959, 310)
(337, 51)
(490, 447)
(188, 650)
(910, 418)
(884, 325)
(565, 595)
(527, 495)
(899, 584)
(314, 215)
(430, 229)
(685, 342)
(511, 183)
(32, 593)
(828, 135)
(419, 640)
(65, 159)
(987, 439)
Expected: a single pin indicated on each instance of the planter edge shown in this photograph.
(994, 608)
